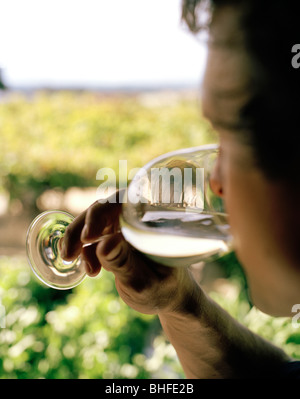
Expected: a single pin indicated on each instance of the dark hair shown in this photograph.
(271, 28)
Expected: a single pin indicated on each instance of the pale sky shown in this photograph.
(97, 42)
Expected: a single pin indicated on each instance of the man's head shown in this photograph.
(250, 95)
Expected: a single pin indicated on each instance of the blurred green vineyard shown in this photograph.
(89, 332)
(86, 333)
(62, 139)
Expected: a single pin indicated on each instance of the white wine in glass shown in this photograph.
(172, 215)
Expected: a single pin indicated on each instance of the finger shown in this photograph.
(92, 264)
(106, 216)
(101, 219)
(78, 232)
(71, 244)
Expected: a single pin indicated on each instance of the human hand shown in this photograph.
(144, 285)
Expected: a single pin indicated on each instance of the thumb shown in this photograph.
(113, 253)
(128, 265)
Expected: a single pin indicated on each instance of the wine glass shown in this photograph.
(169, 213)
(43, 243)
